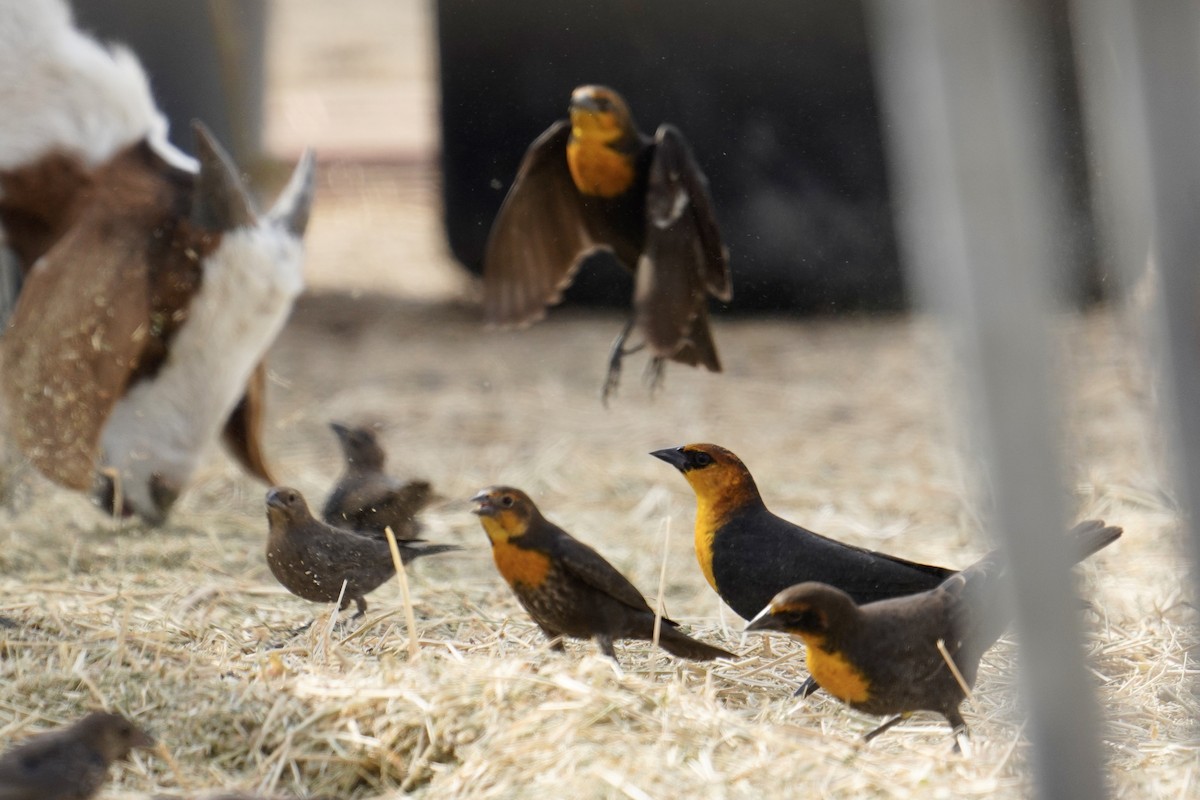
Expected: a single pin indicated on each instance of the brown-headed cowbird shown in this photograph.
(312, 559)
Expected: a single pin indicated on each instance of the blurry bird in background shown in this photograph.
(367, 499)
(594, 182)
(71, 763)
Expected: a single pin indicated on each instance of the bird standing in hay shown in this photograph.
(69, 764)
(891, 657)
(151, 285)
(567, 587)
(595, 182)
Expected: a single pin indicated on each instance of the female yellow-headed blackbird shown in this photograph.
(312, 559)
(567, 587)
(749, 555)
(595, 182)
(365, 497)
(882, 658)
(69, 764)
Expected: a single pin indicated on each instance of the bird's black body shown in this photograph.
(748, 554)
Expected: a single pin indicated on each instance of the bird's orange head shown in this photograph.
(360, 446)
(813, 611)
(506, 513)
(718, 477)
(285, 504)
(600, 114)
(112, 735)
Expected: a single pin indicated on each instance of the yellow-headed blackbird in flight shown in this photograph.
(749, 555)
(567, 587)
(366, 498)
(883, 657)
(594, 182)
(312, 560)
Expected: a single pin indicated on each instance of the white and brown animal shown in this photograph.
(151, 288)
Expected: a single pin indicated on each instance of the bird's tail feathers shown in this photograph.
(680, 644)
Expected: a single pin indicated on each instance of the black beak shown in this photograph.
(764, 621)
(673, 456)
(486, 507)
(341, 430)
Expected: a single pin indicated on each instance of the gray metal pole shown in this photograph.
(1167, 36)
(961, 87)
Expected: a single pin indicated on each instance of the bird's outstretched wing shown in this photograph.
(683, 260)
(539, 237)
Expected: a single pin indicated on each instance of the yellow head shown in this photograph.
(719, 478)
(505, 513)
(599, 114)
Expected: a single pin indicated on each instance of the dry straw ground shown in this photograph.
(844, 422)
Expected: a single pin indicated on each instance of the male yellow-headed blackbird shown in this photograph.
(749, 555)
(69, 764)
(594, 182)
(567, 587)
(312, 559)
(882, 657)
(365, 497)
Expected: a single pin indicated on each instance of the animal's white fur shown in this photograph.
(61, 90)
(164, 425)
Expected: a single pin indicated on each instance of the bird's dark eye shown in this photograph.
(701, 459)
(506, 501)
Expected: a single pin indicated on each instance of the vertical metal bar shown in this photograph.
(1167, 36)
(961, 87)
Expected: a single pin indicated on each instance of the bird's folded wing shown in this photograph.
(538, 238)
(682, 260)
(590, 567)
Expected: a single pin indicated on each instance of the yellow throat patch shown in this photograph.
(519, 566)
(835, 674)
(718, 494)
(597, 169)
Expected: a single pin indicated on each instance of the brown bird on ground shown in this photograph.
(883, 657)
(594, 182)
(71, 763)
(748, 555)
(567, 587)
(366, 498)
(312, 560)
